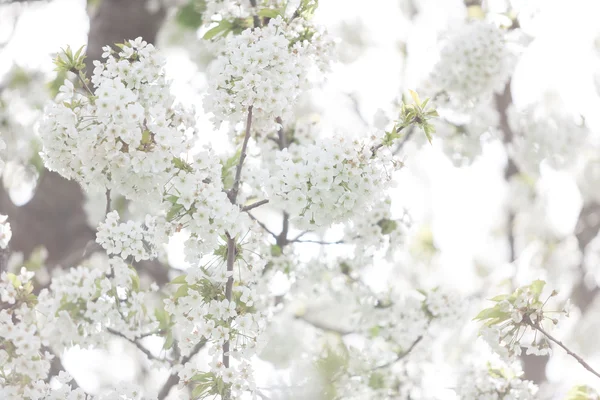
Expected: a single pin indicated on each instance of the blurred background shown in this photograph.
(508, 192)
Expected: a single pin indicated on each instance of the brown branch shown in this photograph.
(565, 348)
(238, 169)
(255, 17)
(263, 226)
(400, 356)
(325, 327)
(137, 344)
(174, 378)
(231, 245)
(316, 241)
(107, 209)
(254, 205)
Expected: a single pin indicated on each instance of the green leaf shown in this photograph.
(500, 297)
(493, 312)
(173, 211)
(222, 28)
(162, 317)
(179, 280)
(275, 251)
(387, 226)
(269, 13)
(374, 331)
(377, 380)
(537, 286)
(415, 97)
(169, 340)
(202, 377)
(181, 292)
(12, 278)
(179, 163)
(190, 15)
(582, 392)
(135, 279)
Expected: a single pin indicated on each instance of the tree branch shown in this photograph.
(174, 378)
(325, 327)
(263, 226)
(238, 169)
(135, 342)
(231, 245)
(254, 205)
(400, 356)
(316, 241)
(107, 209)
(580, 360)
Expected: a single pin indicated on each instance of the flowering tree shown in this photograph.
(286, 312)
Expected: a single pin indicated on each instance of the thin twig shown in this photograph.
(137, 344)
(82, 80)
(282, 239)
(238, 170)
(231, 250)
(254, 205)
(580, 360)
(107, 210)
(263, 226)
(400, 356)
(325, 327)
(404, 140)
(231, 245)
(316, 241)
(299, 236)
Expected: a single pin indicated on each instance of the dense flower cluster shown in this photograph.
(21, 103)
(258, 68)
(128, 239)
(495, 382)
(371, 230)
(203, 316)
(463, 133)
(87, 302)
(375, 336)
(516, 319)
(197, 201)
(128, 124)
(474, 63)
(555, 138)
(228, 8)
(33, 329)
(328, 183)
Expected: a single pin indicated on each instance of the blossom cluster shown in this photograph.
(127, 239)
(123, 135)
(32, 328)
(496, 381)
(21, 102)
(545, 133)
(517, 318)
(87, 302)
(203, 316)
(474, 62)
(196, 200)
(372, 229)
(260, 69)
(328, 183)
